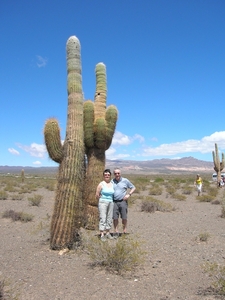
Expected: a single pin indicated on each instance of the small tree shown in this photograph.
(218, 166)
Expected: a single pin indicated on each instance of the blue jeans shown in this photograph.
(105, 215)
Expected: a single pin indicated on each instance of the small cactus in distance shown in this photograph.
(68, 208)
(22, 175)
(218, 165)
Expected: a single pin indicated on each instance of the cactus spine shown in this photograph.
(218, 166)
(68, 208)
(99, 127)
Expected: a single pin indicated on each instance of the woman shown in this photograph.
(198, 183)
(104, 193)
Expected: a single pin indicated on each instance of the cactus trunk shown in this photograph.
(218, 166)
(99, 127)
(68, 208)
(96, 165)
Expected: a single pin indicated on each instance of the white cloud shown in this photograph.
(121, 139)
(37, 162)
(154, 139)
(13, 151)
(36, 150)
(111, 154)
(139, 137)
(205, 145)
(41, 61)
(123, 142)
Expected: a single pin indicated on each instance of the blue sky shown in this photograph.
(165, 63)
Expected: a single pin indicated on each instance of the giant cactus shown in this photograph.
(99, 127)
(68, 208)
(218, 166)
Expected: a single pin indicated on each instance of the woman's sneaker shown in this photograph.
(108, 236)
(103, 238)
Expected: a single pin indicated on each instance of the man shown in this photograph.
(120, 185)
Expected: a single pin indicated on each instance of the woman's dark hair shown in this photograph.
(107, 171)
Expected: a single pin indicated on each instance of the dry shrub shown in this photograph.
(24, 190)
(140, 183)
(152, 205)
(10, 188)
(223, 208)
(3, 195)
(179, 197)
(211, 190)
(203, 237)
(8, 291)
(17, 197)
(17, 216)
(205, 198)
(216, 201)
(187, 190)
(117, 256)
(155, 190)
(170, 190)
(218, 273)
(50, 186)
(35, 200)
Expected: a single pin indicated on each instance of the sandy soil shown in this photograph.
(172, 269)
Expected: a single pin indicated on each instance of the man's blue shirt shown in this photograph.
(120, 188)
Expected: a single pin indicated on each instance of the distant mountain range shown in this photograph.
(165, 165)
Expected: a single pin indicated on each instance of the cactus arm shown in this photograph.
(101, 91)
(111, 117)
(89, 123)
(53, 140)
(222, 163)
(218, 166)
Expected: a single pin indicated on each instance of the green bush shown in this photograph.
(117, 256)
(159, 180)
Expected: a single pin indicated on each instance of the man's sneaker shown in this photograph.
(116, 235)
(103, 238)
(108, 236)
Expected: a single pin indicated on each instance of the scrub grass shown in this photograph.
(117, 256)
(217, 272)
(17, 216)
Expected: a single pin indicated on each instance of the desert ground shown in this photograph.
(174, 260)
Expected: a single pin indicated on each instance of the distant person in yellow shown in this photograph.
(198, 184)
